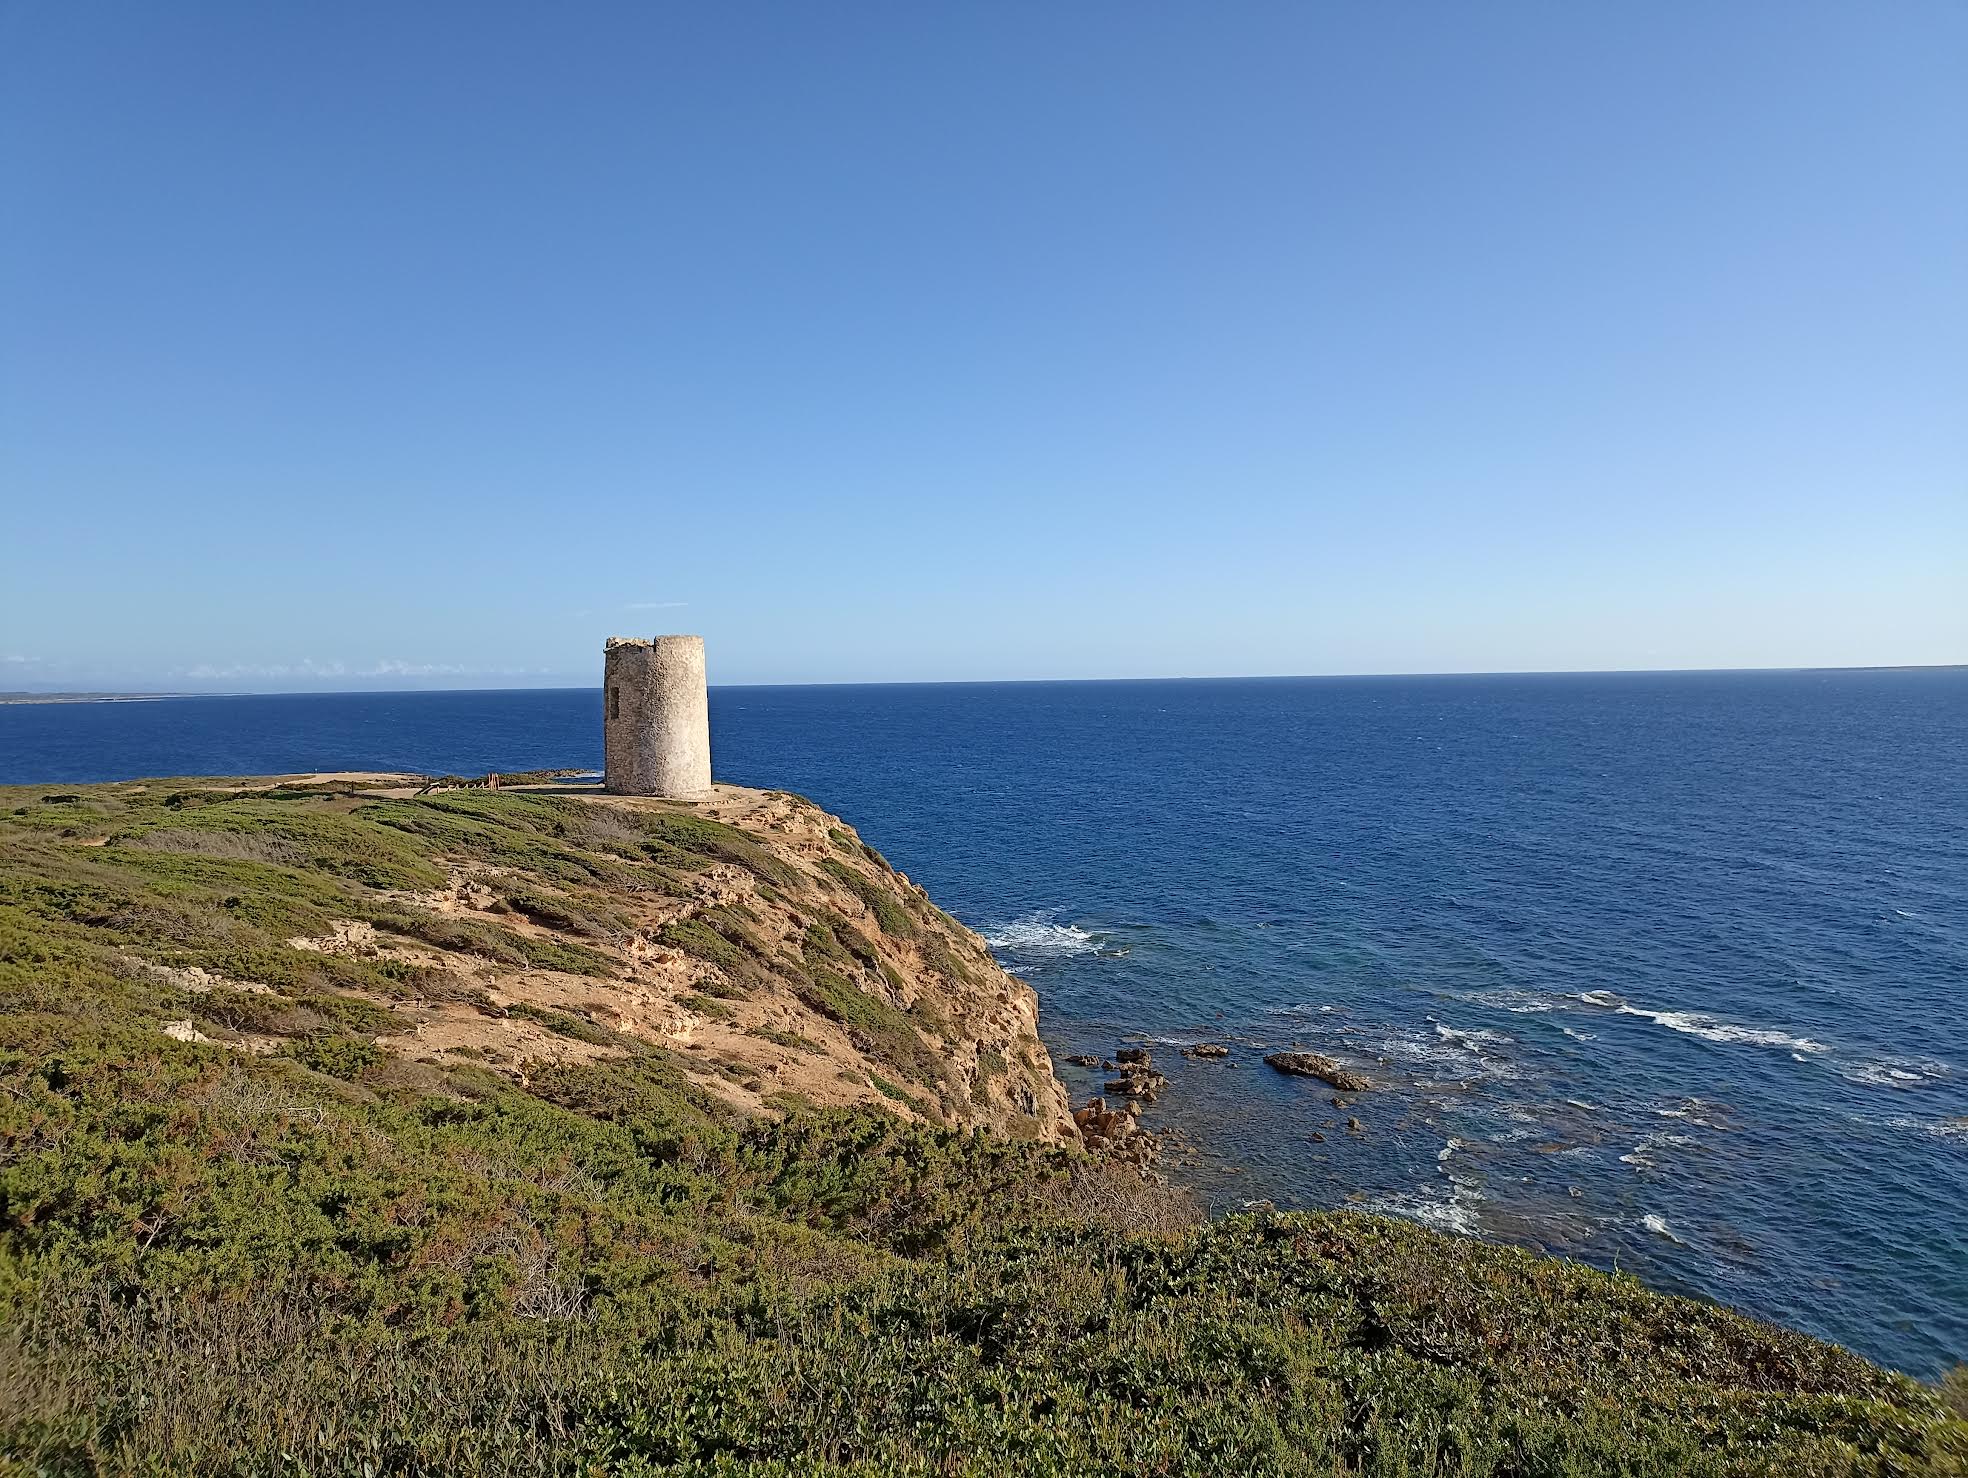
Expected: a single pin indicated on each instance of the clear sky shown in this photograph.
(361, 345)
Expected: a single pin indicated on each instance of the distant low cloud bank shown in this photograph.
(310, 669)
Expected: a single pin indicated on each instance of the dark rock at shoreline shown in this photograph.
(1138, 1083)
(1135, 1055)
(1115, 1134)
(1083, 1059)
(1312, 1065)
(1097, 1122)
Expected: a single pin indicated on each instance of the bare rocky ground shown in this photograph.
(720, 976)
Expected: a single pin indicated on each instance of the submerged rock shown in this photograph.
(1312, 1065)
(1206, 1049)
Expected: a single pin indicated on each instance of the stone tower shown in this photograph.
(656, 727)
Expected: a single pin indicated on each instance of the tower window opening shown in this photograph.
(614, 703)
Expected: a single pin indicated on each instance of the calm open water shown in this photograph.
(1666, 970)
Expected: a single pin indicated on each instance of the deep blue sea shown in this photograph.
(1666, 971)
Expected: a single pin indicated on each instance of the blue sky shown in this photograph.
(374, 345)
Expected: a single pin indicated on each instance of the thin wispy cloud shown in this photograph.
(655, 605)
(308, 667)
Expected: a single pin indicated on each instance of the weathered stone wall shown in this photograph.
(656, 722)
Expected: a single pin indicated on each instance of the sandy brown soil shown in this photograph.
(752, 1037)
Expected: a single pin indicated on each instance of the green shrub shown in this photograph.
(567, 914)
(682, 835)
(788, 1039)
(563, 1024)
(1954, 1391)
(887, 909)
(337, 1055)
(875, 1026)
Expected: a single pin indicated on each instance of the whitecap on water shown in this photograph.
(1517, 1002)
(1444, 1053)
(1454, 1213)
(1475, 1038)
(1642, 1156)
(1895, 1072)
(1304, 1008)
(1036, 936)
(1708, 1028)
(1654, 1222)
(1954, 1131)
(1697, 1111)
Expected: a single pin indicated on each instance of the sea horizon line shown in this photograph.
(135, 695)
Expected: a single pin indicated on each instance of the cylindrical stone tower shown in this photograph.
(656, 727)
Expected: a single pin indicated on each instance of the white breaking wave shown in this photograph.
(1036, 936)
(1475, 1038)
(1954, 1131)
(1654, 1222)
(1696, 1111)
(1642, 1157)
(1518, 1002)
(1708, 1028)
(1455, 1214)
(1896, 1072)
(1441, 1053)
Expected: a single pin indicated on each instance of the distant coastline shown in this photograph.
(87, 697)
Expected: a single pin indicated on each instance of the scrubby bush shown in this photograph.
(882, 902)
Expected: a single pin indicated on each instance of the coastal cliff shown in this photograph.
(752, 942)
(354, 1126)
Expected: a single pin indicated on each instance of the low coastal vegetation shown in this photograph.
(251, 1221)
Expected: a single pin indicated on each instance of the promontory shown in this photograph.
(370, 1124)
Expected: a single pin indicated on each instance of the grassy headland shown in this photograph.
(345, 1130)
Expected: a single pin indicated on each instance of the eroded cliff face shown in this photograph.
(776, 958)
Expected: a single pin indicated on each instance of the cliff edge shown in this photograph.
(753, 940)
